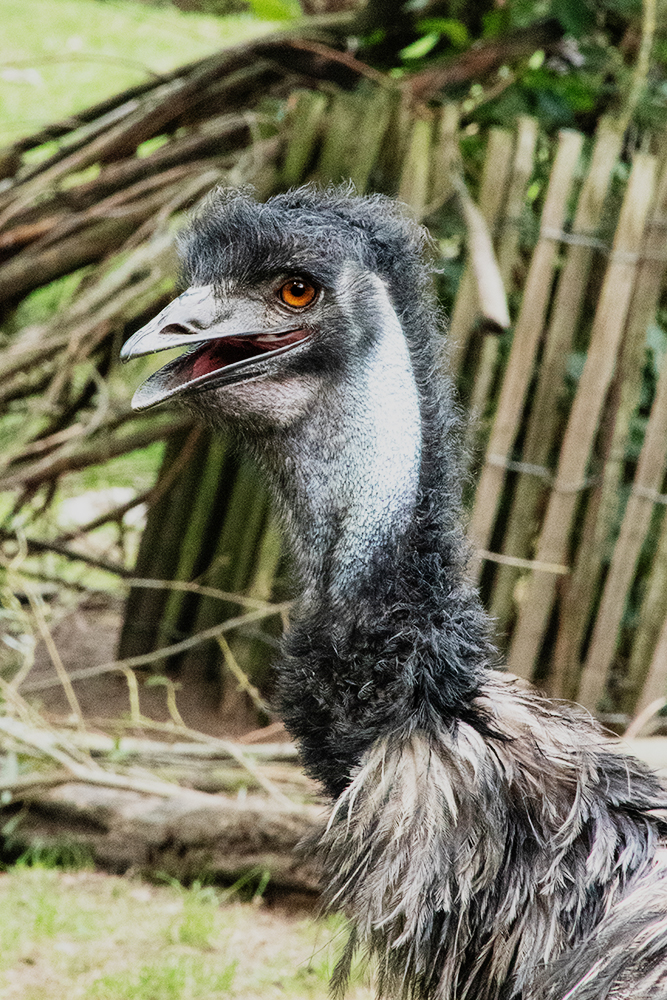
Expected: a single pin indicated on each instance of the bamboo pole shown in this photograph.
(507, 248)
(252, 650)
(231, 566)
(393, 151)
(214, 139)
(524, 345)
(655, 684)
(51, 468)
(580, 590)
(497, 166)
(164, 104)
(415, 175)
(489, 285)
(522, 170)
(340, 139)
(143, 193)
(305, 112)
(158, 552)
(33, 269)
(646, 668)
(446, 162)
(342, 157)
(602, 514)
(120, 294)
(101, 231)
(543, 421)
(375, 114)
(203, 508)
(648, 481)
(582, 425)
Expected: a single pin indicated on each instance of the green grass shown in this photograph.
(178, 978)
(60, 56)
(88, 936)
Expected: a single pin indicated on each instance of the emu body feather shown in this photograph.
(471, 863)
(486, 844)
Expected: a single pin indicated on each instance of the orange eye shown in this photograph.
(298, 293)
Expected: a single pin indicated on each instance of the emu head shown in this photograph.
(288, 302)
(311, 330)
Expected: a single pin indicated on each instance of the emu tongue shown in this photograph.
(198, 366)
(218, 354)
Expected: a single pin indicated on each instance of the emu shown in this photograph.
(485, 843)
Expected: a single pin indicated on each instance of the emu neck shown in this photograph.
(356, 471)
(388, 637)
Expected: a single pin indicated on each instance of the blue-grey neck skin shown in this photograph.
(354, 461)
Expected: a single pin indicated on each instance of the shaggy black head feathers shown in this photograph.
(308, 230)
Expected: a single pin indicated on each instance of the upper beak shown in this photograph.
(187, 320)
(197, 317)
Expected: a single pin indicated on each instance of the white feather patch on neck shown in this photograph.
(385, 464)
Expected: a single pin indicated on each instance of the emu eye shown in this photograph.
(298, 293)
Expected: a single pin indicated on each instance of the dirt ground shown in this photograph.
(87, 636)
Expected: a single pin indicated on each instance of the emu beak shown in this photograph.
(182, 322)
(225, 340)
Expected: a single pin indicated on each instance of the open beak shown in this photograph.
(221, 347)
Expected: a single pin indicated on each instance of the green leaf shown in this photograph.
(533, 191)
(376, 37)
(495, 22)
(275, 10)
(454, 30)
(576, 16)
(420, 48)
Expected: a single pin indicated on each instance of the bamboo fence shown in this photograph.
(568, 526)
(569, 432)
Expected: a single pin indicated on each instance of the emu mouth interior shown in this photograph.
(212, 360)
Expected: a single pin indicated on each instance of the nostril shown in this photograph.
(179, 329)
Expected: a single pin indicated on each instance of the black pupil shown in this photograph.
(298, 289)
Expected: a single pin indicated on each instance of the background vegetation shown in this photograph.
(450, 83)
(59, 56)
(564, 63)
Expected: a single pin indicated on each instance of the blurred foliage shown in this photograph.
(87, 50)
(586, 72)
